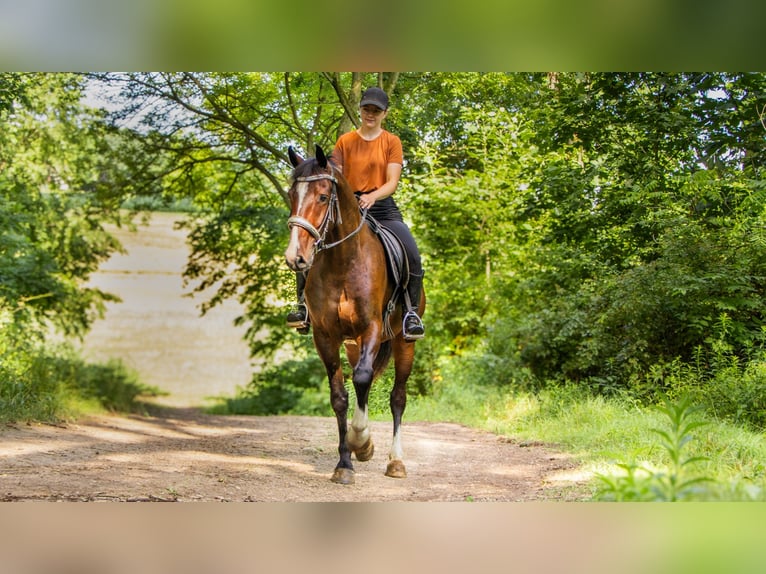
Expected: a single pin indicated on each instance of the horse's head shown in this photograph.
(313, 207)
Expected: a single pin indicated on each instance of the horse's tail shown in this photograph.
(381, 361)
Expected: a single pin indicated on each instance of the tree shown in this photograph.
(221, 140)
(52, 237)
(611, 219)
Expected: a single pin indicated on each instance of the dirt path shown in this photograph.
(181, 454)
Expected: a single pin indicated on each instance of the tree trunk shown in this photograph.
(349, 122)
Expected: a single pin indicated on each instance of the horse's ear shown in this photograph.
(321, 158)
(295, 159)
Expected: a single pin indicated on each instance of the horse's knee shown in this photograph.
(363, 375)
(398, 398)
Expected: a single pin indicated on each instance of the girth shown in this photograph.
(398, 265)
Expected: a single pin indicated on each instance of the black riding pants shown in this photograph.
(387, 213)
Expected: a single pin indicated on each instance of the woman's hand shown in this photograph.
(366, 201)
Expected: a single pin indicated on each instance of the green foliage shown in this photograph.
(48, 386)
(52, 237)
(719, 379)
(296, 386)
(678, 482)
(595, 225)
(23, 394)
(52, 206)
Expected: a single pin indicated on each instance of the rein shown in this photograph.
(334, 207)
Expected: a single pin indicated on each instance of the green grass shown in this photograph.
(609, 436)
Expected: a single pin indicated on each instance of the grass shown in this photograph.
(678, 452)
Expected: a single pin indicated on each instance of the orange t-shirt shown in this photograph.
(365, 162)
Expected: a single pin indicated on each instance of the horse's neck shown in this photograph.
(349, 211)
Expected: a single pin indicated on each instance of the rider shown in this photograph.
(371, 159)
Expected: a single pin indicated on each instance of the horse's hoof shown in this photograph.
(365, 452)
(343, 476)
(395, 469)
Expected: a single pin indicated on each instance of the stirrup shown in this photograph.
(420, 330)
(299, 319)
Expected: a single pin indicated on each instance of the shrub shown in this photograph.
(297, 386)
(47, 385)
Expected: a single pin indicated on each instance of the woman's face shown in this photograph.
(372, 116)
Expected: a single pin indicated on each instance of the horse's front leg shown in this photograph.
(330, 355)
(359, 438)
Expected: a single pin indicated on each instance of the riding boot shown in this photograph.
(298, 318)
(412, 326)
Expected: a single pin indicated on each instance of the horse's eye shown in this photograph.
(323, 198)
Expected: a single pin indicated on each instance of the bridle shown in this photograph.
(333, 213)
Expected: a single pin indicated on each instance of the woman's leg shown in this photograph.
(413, 325)
(298, 317)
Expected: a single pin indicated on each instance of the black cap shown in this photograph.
(374, 97)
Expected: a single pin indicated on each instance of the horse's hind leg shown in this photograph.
(404, 355)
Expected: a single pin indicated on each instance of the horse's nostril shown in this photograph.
(298, 263)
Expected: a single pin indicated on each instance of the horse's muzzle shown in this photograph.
(297, 263)
(295, 258)
(300, 250)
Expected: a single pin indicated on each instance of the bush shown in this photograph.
(293, 387)
(735, 391)
(51, 385)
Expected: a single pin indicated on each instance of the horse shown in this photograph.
(348, 285)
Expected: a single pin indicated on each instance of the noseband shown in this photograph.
(333, 211)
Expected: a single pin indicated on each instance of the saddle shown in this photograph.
(398, 266)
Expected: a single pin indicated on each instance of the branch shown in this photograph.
(390, 82)
(290, 102)
(221, 115)
(348, 107)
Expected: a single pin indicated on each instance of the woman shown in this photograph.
(371, 159)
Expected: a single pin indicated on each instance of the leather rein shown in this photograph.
(333, 213)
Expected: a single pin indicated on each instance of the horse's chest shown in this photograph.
(347, 308)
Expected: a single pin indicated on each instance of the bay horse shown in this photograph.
(348, 286)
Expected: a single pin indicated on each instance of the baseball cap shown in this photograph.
(375, 97)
